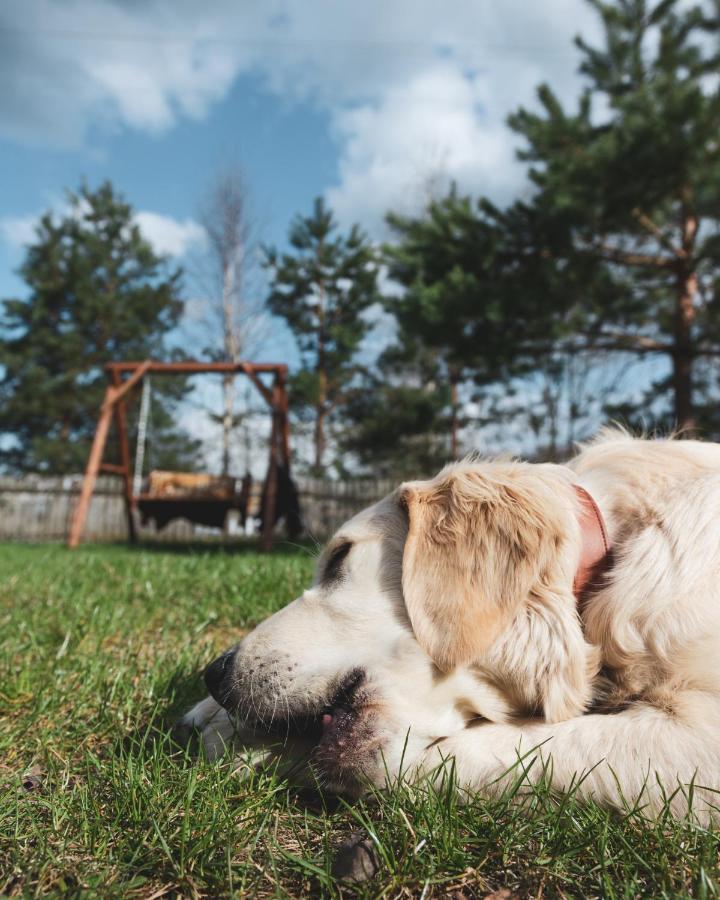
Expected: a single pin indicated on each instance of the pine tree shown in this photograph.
(322, 288)
(486, 308)
(632, 182)
(618, 248)
(398, 419)
(97, 292)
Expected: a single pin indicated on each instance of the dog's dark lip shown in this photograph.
(338, 712)
(345, 695)
(335, 722)
(342, 712)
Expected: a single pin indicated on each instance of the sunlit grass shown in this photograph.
(100, 652)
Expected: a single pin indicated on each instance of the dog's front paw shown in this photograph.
(211, 722)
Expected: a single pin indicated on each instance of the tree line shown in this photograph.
(593, 297)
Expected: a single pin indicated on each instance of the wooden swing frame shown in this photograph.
(114, 406)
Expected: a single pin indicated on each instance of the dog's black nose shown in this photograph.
(216, 674)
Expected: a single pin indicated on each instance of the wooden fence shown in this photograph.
(327, 504)
(39, 508)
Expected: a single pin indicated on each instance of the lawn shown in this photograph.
(100, 652)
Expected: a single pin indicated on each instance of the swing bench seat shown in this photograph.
(190, 484)
(200, 498)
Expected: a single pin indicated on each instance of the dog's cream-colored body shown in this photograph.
(455, 603)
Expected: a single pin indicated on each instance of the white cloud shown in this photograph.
(70, 68)
(170, 236)
(414, 89)
(446, 120)
(17, 231)
(418, 138)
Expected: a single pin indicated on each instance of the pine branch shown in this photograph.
(657, 232)
(628, 258)
(619, 340)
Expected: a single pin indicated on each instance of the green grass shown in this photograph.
(100, 652)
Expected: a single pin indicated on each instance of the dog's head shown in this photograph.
(447, 602)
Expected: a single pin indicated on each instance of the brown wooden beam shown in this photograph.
(111, 469)
(190, 367)
(125, 386)
(121, 422)
(264, 390)
(284, 420)
(91, 472)
(271, 479)
(112, 395)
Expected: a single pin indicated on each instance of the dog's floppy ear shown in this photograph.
(478, 544)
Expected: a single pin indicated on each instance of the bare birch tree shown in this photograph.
(234, 315)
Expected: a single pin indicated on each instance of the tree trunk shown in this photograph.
(454, 423)
(231, 355)
(321, 405)
(682, 354)
(319, 436)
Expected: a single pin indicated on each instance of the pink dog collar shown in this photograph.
(595, 545)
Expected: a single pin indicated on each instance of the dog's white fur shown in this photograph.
(457, 603)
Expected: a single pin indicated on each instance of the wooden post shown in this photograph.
(93, 466)
(112, 396)
(250, 370)
(285, 421)
(271, 480)
(121, 421)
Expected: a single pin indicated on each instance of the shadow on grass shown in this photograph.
(203, 547)
(184, 687)
(222, 547)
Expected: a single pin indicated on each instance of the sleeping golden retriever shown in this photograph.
(505, 610)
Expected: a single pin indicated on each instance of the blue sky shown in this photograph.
(372, 105)
(167, 173)
(367, 104)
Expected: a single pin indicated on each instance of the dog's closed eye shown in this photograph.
(332, 570)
